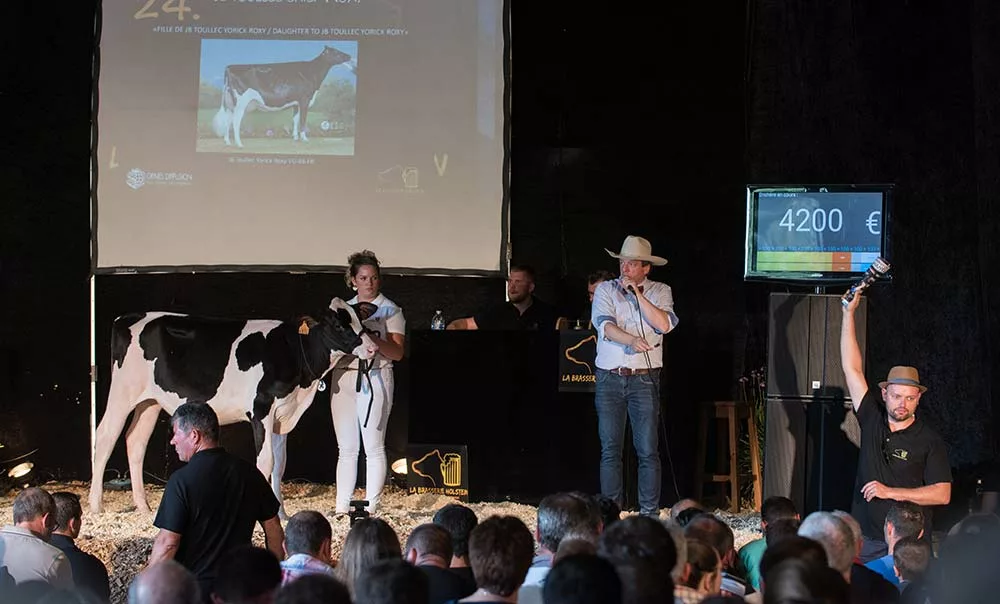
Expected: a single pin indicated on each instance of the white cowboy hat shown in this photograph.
(637, 248)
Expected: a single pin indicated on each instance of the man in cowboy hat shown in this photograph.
(631, 314)
(901, 458)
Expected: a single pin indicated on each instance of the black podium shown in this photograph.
(498, 392)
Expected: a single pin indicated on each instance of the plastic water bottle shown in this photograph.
(438, 323)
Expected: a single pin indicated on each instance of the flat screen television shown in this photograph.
(816, 234)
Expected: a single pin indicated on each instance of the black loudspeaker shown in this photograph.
(811, 453)
(812, 434)
(803, 345)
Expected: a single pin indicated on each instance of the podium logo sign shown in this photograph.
(438, 469)
(577, 349)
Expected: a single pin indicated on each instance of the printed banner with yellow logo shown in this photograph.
(438, 469)
(577, 350)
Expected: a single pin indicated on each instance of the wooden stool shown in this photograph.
(731, 412)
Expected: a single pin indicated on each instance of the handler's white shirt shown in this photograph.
(387, 319)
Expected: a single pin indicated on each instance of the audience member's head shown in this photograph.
(428, 544)
(835, 537)
(968, 564)
(683, 506)
(308, 532)
(500, 552)
(853, 524)
(313, 588)
(910, 558)
(708, 529)
(596, 278)
(391, 581)
(562, 514)
(246, 574)
(703, 569)
(641, 550)
(68, 514)
(64, 595)
(904, 519)
(796, 581)
(680, 546)
(575, 547)
(368, 541)
(35, 510)
(781, 529)
(165, 582)
(611, 512)
(582, 579)
(777, 508)
(459, 521)
(792, 548)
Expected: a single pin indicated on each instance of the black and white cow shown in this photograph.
(264, 371)
(273, 87)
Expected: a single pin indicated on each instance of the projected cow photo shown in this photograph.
(285, 97)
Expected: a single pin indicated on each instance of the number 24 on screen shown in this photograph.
(168, 6)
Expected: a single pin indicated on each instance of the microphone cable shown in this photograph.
(659, 401)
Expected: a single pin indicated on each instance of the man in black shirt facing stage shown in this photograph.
(901, 458)
(210, 506)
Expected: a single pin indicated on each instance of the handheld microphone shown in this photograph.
(631, 288)
(879, 268)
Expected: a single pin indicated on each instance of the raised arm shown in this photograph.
(850, 355)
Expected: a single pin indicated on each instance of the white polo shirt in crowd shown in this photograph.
(29, 558)
(613, 303)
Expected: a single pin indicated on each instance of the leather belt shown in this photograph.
(627, 371)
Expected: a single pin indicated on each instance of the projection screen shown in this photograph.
(286, 134)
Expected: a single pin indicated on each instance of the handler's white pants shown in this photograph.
(349, 409)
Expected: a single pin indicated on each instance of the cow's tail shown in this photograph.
(121, 336)
(224, 117)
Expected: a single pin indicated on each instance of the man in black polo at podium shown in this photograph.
(901, 458)
(631, 314)
(522, 311)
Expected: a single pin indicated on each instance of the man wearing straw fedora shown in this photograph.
(631, 314)
(901, 457)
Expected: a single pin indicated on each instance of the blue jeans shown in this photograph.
(636, 397)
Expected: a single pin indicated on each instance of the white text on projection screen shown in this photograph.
(295, 132)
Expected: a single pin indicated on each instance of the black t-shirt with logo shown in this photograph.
(909, 458)
(214, 502)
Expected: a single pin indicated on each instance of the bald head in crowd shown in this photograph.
(165, 582)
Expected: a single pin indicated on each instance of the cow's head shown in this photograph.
(332, 56)
(341, 329)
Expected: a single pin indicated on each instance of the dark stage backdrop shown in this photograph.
(647, 123)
